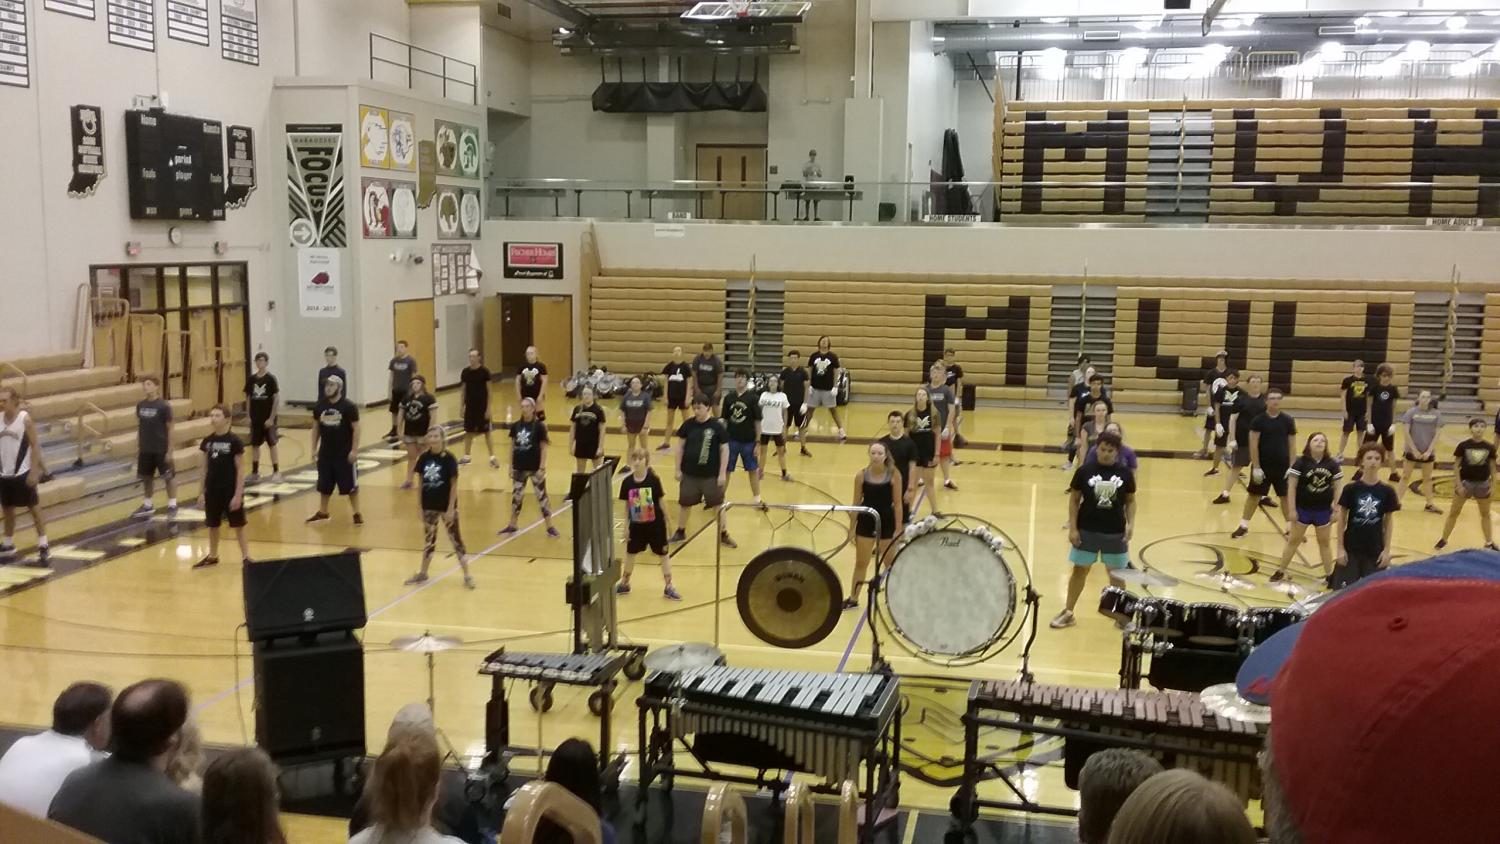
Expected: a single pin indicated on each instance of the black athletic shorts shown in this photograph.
(1275, 478)
(216, 509)
(1356, 424)
(676, 402)
(476, 422)
(779, 439)
(150, 465)
(1221, 440)
(336, 472)
(1387, 440)
(261, 435)
(798, 417)
(651, 535)
(396, 400)
(15, 492)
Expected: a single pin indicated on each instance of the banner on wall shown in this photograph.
(457, 148)
(77, 8)
(239, 31)
(468, 152)
(318, 283)
(15, 44)
(374, 137)
(187, 20)
(404, 209)
(403, 142)
(447, 213)
(132, 23)
(241, 166)
(470, 213)
(426, 173)
(375, 208)
(533, 260)
(88, 149)
(315, 184)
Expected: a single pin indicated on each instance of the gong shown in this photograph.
(790, 597)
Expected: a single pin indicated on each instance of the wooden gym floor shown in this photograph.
(146, 613)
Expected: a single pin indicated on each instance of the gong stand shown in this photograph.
(1034, 607)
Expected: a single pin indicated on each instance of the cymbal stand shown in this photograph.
(1034, 609)
(448, 748)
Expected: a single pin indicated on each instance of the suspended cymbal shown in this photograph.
(1224, 700)
(683, 657)
(789, 597)
(426, 643)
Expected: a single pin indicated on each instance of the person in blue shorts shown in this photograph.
(741, 414)
(1101, 517)
(1313, 485)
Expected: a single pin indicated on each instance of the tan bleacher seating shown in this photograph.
(635, 322)
(184, 431)
(44, 363)
(1489, 353)
(120, 419)
(64, 405)
(64, 381)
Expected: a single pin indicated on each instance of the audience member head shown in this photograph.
(262, 360)
(1316, 447)
(185, 764)
(10, 399)
(82, 711)
(413, 717)
(146, 721)
(404, 784)
(1181, 807)
(1371, 457)
(1108, 777)
(240, 798)
(330, 355)
(575, 766)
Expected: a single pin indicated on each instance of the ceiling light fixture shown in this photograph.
(1418, 50)
(1054, 20)
(1362, 21)
(1456, 23)
(1390, 14)
(1331, 51)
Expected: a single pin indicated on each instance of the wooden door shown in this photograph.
(552, 334)
(734, 167)
(515, 332)
(491, 345)
(414, 320)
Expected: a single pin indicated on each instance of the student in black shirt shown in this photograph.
(438, 470)
(922, 421)
(1101, 519)
(418, 413)
(1381, 428)
(955, 381)
(826, 369)
(1211, 381)
(1222, 403)
(679, 376)
(1251, 404)
(331, 369)
(1313, 484)
(741, 415)
(701, 454)
(335, 440)
(586, 431)
(903, 452)
(1273, 436)
(399, 374)
(1355, 388)
(531, 383)
(1473, 475)
(263, 395)
(708, 371)
(794, 384)
(223, 493)
(878, 487)
(528, 462)
(474, 406)
(1366, 521)
(646, 520)
(1082, 402)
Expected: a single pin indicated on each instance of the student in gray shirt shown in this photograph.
(154, 428)
(635, 410)
(403, 366)
(943, 402)
(1422, 425)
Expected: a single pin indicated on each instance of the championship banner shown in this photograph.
(241, 166)
(318, 283)
(533, 260)
(468, 152)
(88, 149)
(315, 184)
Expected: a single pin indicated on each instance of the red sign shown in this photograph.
(533, 260)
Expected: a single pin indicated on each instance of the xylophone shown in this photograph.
(825, 724)
(545, 670)
(1173, 726)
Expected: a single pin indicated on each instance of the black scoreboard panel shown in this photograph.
(175, 166)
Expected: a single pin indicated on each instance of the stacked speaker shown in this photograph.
(301, 616)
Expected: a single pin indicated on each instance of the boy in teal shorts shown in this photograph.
(1101, 516)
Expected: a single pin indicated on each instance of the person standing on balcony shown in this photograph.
(154, 430)
(21, 471)
(812, 172)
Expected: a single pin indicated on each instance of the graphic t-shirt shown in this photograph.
(643, 497)
(402, 369)
(700, 447)
(153, 416)
(1214, 378)
(824, 366)
(942, 399)
(219, 453)
(335, 420)
(677, 381)
(1369, 505)
(416, 414)
(260, 392)
(955, 375)
(773, 413)
(903, 453)
(635, 408)
(1383, 406)
(794, 384)
(741, 411)
(588, 424)
(531, 379)
(1226, 399)
(1315, 482)
(919, 423)
(526, 439)
(1275, 445)
(1104, 490)
(1251, 407)
(1422, 426)
(476, 381)
(1082, 401)
(1354, 387)
(1473, 458)
(437, 473)
(708, 369)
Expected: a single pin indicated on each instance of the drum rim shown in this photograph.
(782, 553)
(922, 651)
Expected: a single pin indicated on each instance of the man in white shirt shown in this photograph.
(35, 766)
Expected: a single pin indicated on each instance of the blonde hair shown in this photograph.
(1181, 807)
(404, 783)
(185, 767)
(639, 452)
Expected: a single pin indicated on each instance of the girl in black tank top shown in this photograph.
(876, 486)
(922, 423)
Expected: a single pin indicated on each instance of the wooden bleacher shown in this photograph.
(635, 322)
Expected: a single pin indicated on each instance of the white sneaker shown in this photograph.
(252, 478)
(145, 511)
(465, 460)
(1063, 619)
(494, 462)
(276, 478)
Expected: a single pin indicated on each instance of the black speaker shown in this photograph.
(310, 698)
(304, 595)
(1182, 5)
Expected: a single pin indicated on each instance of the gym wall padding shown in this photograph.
(635, 322)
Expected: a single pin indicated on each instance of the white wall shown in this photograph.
(506, 68)
(807, 90)
(454, 32)
(334, 38)
(932, 102)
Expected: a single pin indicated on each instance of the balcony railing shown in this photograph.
(423, 70)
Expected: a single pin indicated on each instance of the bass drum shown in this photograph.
(949, 593)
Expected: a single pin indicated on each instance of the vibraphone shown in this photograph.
(824, 724)
(1173, 726)
(545, 670)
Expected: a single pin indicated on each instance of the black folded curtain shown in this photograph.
(674, 97)
(957, 200)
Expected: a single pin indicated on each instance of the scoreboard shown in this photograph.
(175, 166)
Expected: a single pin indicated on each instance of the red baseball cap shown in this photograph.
(1384, 714)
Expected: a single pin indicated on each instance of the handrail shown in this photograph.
(110, 308)
(411, 49)
(88, 408)
(849, 813)
(83, 326)
(797, 826)
(724, 804)
(184, 345)
(537, 801)
(141, 320)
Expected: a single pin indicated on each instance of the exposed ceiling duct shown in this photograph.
(661, 28)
